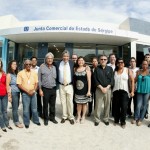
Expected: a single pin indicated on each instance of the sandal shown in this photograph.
(19, 125)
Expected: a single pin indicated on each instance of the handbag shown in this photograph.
(129, 82)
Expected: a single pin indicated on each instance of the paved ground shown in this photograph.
(75, 137)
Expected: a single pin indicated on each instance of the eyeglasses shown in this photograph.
(28, 64)
(104, 59)
(120, 62)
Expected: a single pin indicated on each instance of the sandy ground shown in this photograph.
(75, 137)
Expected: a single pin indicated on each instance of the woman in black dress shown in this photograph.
(82, 88)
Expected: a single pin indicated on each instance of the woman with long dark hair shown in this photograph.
(3, 101)
(13, 91)
(143, 91)
(121, 92)
(82, 88)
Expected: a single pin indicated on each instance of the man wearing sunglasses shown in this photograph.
(104, 80)
(27, 81)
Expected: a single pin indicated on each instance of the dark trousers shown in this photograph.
(39, 104)
(49, 100)
(119, 104)
(129, 112)
(90, 105)
(74, 107)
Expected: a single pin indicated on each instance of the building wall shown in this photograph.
(136, 25)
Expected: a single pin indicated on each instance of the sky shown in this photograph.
(109, 11)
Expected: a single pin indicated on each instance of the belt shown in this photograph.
(53, 88)
(66, 84)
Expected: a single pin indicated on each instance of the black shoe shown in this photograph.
(54, 121)
(26, 126)
(4, 130)
(96, 123)
(71, 121)
(106, 123)
(123, 126)
(123, 123)
(45, 122)
(146, 116)
(63, 120)
(116, 123)
(38, 124)
(89, 114)
(9, 127)
(149, 125)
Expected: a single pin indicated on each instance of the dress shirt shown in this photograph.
(27, 79)
(113, 66)
(61, 72)
(36, 69)
(47, 76)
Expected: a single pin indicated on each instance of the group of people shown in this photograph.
(79, 84)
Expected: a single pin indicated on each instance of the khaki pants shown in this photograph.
(100, 99)
(66, 98)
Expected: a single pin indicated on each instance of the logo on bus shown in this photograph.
(26, 28)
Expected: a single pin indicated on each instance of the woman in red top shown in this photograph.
(3, 100)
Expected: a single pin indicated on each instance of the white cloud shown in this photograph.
(111, 11)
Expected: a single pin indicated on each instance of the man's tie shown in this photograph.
(65, 74)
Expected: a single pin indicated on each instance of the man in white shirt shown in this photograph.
(65, 71)
(112, 59)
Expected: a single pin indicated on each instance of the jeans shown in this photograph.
(15, 105)
(3, 111)
(29, 101)
(142, 100)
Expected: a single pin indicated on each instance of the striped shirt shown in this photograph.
(47, 76)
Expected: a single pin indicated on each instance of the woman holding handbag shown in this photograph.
(13, 91)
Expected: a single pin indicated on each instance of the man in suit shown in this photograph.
(65, 71)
